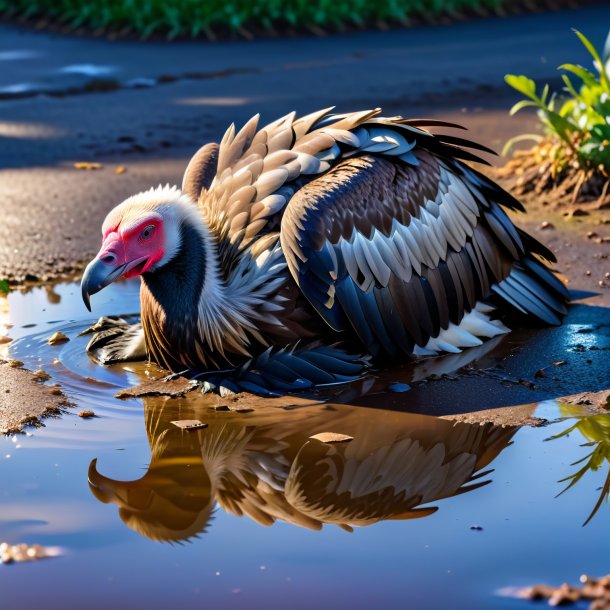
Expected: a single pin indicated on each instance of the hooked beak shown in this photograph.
(98, 275)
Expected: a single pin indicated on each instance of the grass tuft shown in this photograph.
(192, 18)
(574, 153)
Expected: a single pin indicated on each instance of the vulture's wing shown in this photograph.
(259, 169)
(401, 249)
(200, 171)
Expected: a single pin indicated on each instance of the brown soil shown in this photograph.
(578, 233)
(24, 399)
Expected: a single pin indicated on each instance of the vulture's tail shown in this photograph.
(532, 289)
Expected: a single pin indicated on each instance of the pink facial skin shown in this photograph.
(140, 247)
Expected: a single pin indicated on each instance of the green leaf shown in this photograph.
(522, 84)
(589, 46)
(592, 50)
(534, 137)
(4, 286)
(560, 125)
(522, 104)
(585, 75)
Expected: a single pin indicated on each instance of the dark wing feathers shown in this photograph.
(399, 251)
(383, 226)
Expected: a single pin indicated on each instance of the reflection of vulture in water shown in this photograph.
(309, 231)
(264, 465)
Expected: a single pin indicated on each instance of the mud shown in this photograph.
(25, 400)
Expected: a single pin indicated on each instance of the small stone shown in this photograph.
(189, 424)
(15, 364)
(560, 363)
(87, 165)
(86, 414)
(41, 376)
(540, 373)
(476, 528)
(121, 169)
(591, 234)
(6, 558)
(587, 272)
(4, 339)
(332, 437)
(546, 225)
(57, 339)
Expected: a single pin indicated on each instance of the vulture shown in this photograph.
(274, 465)
(297, 253)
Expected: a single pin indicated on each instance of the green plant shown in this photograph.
(596, 429)
(196, 17)
(577, 123)
(4, 287)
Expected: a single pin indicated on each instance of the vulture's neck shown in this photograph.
(190, 316)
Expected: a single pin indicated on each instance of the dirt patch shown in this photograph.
(174, 388)
(503, 416)
(594, 590)
(25, 401)
(596, 401)
(577, 233)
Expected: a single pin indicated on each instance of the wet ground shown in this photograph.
(405, 511)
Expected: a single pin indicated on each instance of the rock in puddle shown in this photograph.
(189, 424)
(332, 437)
(57, 339)
(19, 553)
(174, 388)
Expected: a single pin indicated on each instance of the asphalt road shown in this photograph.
(149, 106)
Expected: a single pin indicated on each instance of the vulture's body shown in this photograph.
(308, 232)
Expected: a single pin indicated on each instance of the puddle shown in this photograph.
(249, 511)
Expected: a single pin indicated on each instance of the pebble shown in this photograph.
(86, 414)
(41, 375)
(189, 424)
(18, 553)
(87, 165)
(332, 437)
(546, 225)
(57, 339)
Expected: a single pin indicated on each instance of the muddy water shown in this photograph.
(410, 511)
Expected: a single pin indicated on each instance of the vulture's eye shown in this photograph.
(147, 233)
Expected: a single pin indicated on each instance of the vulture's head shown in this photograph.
(140, 235)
